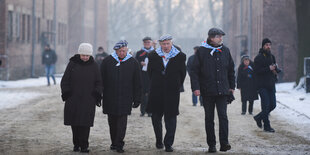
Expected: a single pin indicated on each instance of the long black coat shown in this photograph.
(140, 56)
(165, 89)
(81, 89)
(213, 75)
(122, 85)
(265, 77)
(246, 82)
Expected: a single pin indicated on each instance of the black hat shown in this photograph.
(196, 47)
(244, 57)
(100, 48)
(265, 41)
(146, 38)
(215, 31)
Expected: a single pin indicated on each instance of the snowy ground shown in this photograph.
(31, 122)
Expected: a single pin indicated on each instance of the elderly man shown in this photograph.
(167, 72)
(122, 90)
(213, 77)
(142, 58)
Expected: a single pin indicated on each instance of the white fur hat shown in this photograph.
(85, 49)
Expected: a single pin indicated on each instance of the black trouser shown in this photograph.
(170, 124)
(118, 125)
(80, 136)
(145, 79)
(250, 106)
(209, 103)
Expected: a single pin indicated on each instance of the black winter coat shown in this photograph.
(265, 78)
(246, 82)
(164, 94)
(213, 75)
(81, 90)
(49, 57)
(140, 56)
(189, 64)
(121, 85)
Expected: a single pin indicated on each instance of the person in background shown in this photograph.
(167, 71)
(49, 59)
(142, 58)
(266, 71)
(122, 91)
(246, 84)
(101, 54)
(213, 78)
(81, 90)
(190, 61)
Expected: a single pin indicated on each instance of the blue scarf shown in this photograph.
(173, 52)
(214, 49)
(115, 56)
(148, 50)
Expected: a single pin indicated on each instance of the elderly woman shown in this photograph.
(246, 84)
(81, 91)
(122, 90)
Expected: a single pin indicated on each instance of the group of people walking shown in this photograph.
(120, 82)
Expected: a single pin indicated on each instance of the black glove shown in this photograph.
(97, 97)
(66, 95)
(136, 104)
(98, 103)
(230, 98)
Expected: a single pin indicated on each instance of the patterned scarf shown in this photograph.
(148, 50)
(214, 49)
(173, 52)
(115, 56)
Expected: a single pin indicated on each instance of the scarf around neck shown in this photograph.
(173, 52)
(115, 56)
(214, 49)
(148, 50)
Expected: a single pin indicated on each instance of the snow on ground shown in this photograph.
(11, 97)
(41, 81)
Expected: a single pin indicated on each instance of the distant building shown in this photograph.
(75, 23)
(247, 22)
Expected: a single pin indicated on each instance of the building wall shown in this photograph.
(247, 22)
(75, 24)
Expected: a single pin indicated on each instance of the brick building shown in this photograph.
(247, 22)
(69, 31)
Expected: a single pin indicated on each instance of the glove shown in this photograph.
(66, 95)
(98, 103)
(230, 98)
(136, 104)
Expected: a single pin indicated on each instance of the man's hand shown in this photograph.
(272, 67)
(232, 91)
(143, 63)
(197, 92)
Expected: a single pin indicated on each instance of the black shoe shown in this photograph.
(149, 115)
(269, 130)
(159, 145)
(76, 149)
(243, 113)
(169, 149)
(112, 147)
(212, 149)
(225, 147)
(250, 113)
(84, 151)
(258, 123)
(141, 115)
(120, 150)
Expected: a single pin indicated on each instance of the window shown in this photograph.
(28, 28)
(23, 27)
(17, 26)
(59, 32)
(10, 26)
(38, 29)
